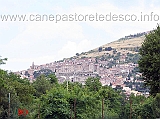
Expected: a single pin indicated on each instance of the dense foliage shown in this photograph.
(149, 63)
(46, 99)
(21, 92)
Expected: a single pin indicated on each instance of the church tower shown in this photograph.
(32, 67)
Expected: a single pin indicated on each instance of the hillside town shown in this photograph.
(116, 67)
(78, 70)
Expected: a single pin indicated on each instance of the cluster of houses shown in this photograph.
(78, 70)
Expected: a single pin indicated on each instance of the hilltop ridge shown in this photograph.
(127, 44)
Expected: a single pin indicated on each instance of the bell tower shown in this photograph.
(32, 67)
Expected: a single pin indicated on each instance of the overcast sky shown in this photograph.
(47, 41)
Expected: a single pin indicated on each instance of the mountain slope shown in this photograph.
(124, 46)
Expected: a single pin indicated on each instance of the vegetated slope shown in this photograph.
(124, 46)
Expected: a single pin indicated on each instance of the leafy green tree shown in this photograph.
(93, 84)
(84, 103)
(2, 61)
(149, 63)
(45, 72)
(55, 104)
(41, 84)
(156, 105)
(112, 102)
(147, 110)
(5, 89)
(3, 92)
(53, 79)
(21, 94)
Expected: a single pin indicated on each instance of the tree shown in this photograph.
(41, 84)
(77, 54)
(108, 48)
(100, 49)
(93, 84)
(46, 72)
(149, 63)
(21, 94)
(2, 61)
(53, 79)
(147, 110)
(55, 104)
(156, 105)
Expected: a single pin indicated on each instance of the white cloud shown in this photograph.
(37, 36)
(71, 48)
